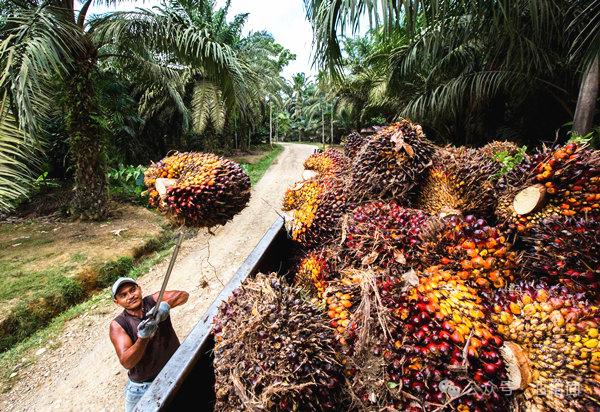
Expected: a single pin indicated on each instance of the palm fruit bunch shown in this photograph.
(567, 250)
(353, 143)
(554, 353)
(383, 234)
(392, 163)
(460, 179)
(208, 190)
(274, 351)
(300, 193)
(329, 161)
(444, 350)
(316, 220)
(566, 182)
(313, 272)
(478, 253)
(342, 298)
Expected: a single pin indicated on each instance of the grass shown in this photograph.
(258, 169)
(46, 267)
(20, 355)
(18, 283)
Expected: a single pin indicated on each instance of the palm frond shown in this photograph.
(207, 107)
(586, 26)
(37, 47)
(18, 157)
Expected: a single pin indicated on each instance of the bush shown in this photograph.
(111, 271)
(127, 183)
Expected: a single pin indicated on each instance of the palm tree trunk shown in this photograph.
(322, 127)
(586, 103)
(331, 126)
(90, 197)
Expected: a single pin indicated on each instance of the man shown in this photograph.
(143, 335)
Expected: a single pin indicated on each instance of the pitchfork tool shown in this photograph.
(169, 270)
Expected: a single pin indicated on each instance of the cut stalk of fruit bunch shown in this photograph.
(275, 348)
(198, 189)
(570, 178)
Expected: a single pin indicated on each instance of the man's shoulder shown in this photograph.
(149, 298)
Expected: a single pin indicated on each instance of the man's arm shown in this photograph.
(129, 353)
(173, 297)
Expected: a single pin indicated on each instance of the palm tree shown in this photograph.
(187, 62)
(299, 90)
(45, 50)
(465, 62)
(227, 90)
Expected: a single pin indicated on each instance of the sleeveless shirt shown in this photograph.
(159, 349)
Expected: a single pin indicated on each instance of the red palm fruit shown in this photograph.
(383, 234)
(566, 251)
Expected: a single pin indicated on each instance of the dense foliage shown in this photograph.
(81, 93)
(470, 70)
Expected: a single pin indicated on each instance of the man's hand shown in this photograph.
(147, 328)
(161, 314)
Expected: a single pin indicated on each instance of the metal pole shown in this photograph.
(169, 268)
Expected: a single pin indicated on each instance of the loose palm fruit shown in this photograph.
(392, 163)
(208, 190)
(275, 348)
(557, 330)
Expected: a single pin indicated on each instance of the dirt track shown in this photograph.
(83, 374)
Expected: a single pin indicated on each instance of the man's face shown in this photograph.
(129, 296)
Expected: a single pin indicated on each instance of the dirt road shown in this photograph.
(83, 373)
